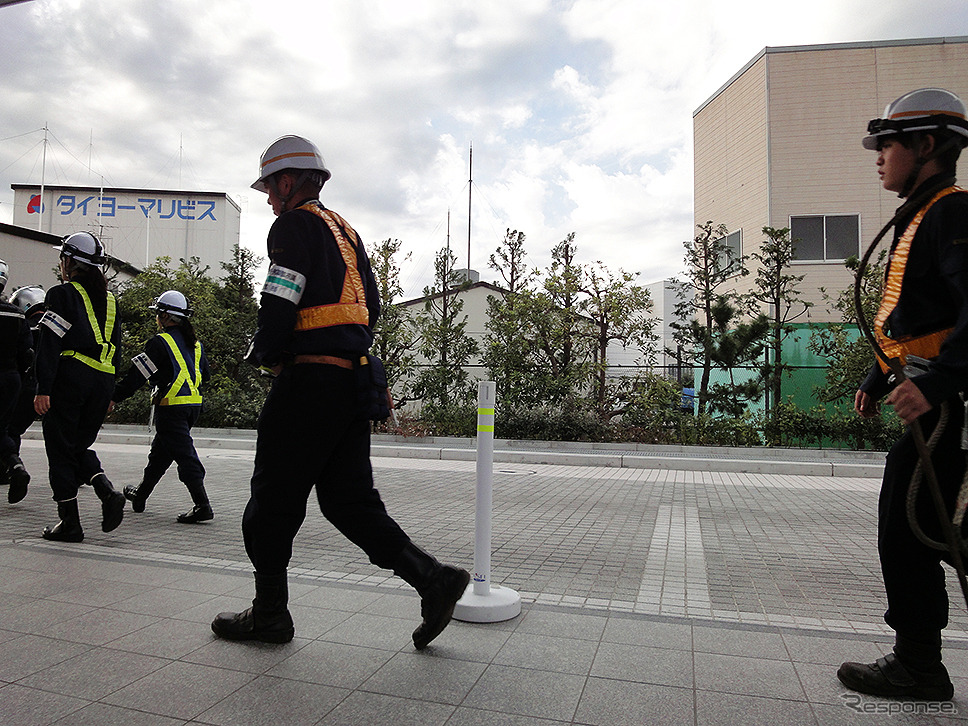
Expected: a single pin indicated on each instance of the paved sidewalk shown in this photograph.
(651, 596)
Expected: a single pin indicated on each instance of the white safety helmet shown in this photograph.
(290, 152)
(4, 272)
(28, 299)
(173, 303)
(927, 109)
(83, 247)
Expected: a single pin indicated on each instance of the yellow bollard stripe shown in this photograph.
(485, 412)
(486, 428)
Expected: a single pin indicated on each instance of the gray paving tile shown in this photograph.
(102, 714)
(748, 676)
(414, 675)
(639, 631)
(562, 624)
(478, 717)
(372, 631)
(545, 652)
(331, 664)
(30, 707)
(165, 638)
(179, 690)
(22, 656)
(94, 673)
(731, 640)
(269, 701)
(373, 708)
(247, 656)
(642, 664)
(100, 626)
(606, 702)
(530, 693)
(727, 709)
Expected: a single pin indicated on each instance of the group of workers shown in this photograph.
(315, 326)
(60, 356)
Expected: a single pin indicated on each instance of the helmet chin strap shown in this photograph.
(919, 163)
(296, 186)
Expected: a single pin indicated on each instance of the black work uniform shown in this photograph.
(16, 351)
(313, 429)
(177, 402)
(933, 297)
(23, 412)
(75, 366)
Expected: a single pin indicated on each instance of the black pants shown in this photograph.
(23, 412)
(9, 394)
(79, 401)
(173, 443)
(913, 577)
(311, 433)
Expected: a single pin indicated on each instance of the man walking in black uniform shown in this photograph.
(16, 356)
(319, 304)
(923, 321)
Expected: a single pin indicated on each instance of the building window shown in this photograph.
(825, 237)
(731, 251)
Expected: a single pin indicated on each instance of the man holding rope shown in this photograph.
(922, 322)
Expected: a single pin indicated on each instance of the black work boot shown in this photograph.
(889, 678)
(112, 502)
(202, 511)
(439, 586)
(139, 495)
(268, 620)
(68, 529)
(18, 479)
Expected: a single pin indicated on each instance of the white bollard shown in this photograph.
(483, 602)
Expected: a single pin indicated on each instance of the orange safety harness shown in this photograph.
(925, 346)
(351, 307)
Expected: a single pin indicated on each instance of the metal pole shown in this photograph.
(485, 485)
(482, 602)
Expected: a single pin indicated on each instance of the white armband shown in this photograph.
(285, 283)
(55, 323)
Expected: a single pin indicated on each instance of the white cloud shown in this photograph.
(580, 112)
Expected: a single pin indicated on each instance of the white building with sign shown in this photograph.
(136, 225)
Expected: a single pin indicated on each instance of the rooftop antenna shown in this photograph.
(470, 185)
(43, 172)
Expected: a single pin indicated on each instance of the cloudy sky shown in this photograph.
(579, 111)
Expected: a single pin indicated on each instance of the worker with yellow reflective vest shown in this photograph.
(76, 358)
(175, 363)
(922, 321)
(318, 307)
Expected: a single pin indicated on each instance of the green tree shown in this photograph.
(508, 349)
(561, 340)
(778, 290)
(849, 356)
(224, 319)
(394, 337)
(709, 265)
(619, 311)
(443, 342)
(734, 345)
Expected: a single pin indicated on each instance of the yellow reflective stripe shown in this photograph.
(485, 412)
(483, 428)
(351, 307)
(184, 377)
(324, 316)
(926, 346)
(105, 363)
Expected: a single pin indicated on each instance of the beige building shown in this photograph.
(779, 145)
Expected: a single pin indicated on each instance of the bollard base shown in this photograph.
(501, 603)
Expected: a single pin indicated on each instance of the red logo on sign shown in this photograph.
(34, 206)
